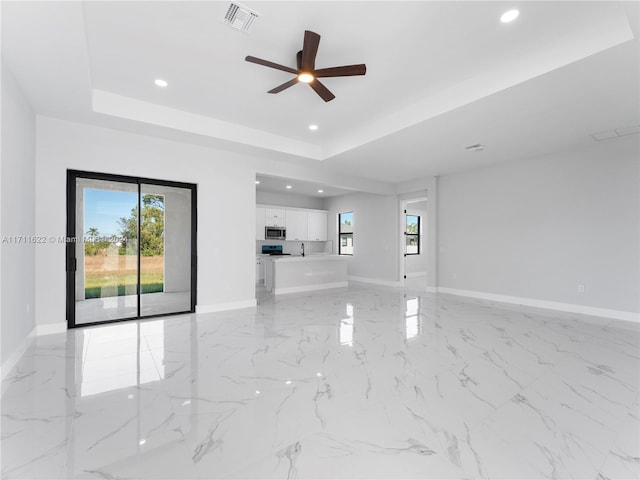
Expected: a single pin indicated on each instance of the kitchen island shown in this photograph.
(291, 274)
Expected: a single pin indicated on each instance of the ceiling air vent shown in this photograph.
(475, 148)
(617, 133)
(240, 17)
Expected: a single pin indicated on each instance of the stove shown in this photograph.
(273, 250)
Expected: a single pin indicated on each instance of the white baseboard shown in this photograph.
(221, 307)
(51, 328)
(376, 281)
(416, 274)
(531, 302)
(310, 288)
(17, 354)
(432, 289)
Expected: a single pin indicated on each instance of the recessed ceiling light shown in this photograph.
(305, 77)
(142, 442)
(509, 16)
(257, 182)
(320, 191)
(289, 187)
(160, 82)
(313, 127)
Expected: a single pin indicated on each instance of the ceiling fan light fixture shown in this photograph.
(306, 71)
(305, 77)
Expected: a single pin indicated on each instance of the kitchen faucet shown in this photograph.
(303, 249)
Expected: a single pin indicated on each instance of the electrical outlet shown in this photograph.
(581, 288)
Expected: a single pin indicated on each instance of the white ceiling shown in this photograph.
(440, 76)
(276, 184)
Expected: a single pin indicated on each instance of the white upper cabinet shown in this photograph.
(296, 225)
(316, 226)
(260, 223)
(275, 217)
(301, 224)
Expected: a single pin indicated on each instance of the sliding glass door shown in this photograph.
(165, 244)
(133, 248)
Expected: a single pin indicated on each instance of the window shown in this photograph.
(412, 234)
(345, 233)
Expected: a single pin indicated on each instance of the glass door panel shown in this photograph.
(106, 247)
(165, 249)
(133, 252)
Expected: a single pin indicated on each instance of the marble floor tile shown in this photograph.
(362, 382)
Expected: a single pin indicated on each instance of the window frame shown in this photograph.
(415, 235)
(341, 233)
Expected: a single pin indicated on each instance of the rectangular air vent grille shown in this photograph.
(616, 133)
(240, 17)
(475, 148)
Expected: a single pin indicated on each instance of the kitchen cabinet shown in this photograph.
(260, 223)
(260, 262)
(317, 226)
(303, 274)
(275, 217)
(296, 223)
(301, 224)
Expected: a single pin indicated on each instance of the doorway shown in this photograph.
(132, 248)
(414, 243)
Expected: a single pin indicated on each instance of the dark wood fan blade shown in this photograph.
(309, 51)
(267, 63)
(321, 90)
(284, 86)
(345, 71)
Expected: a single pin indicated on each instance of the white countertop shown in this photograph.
(311, 257)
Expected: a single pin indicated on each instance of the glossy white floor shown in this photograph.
(111, 308)
(357, 383)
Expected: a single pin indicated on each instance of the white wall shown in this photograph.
(226, 192)
(417, 264)
(17, 218)
(375, 237)
(537, 229)
(289, 200)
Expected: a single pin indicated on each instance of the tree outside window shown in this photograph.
(345, 233)
(412, 235)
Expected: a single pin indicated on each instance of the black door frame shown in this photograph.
(71, 260)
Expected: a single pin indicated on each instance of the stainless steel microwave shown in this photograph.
(274, 233)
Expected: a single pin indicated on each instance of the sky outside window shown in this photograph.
(103, 209)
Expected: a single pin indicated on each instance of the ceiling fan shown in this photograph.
(306, 71)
